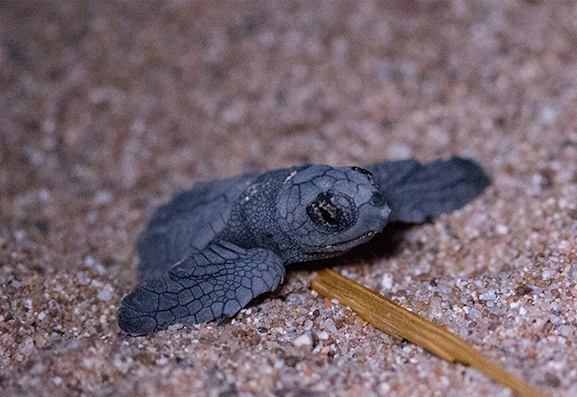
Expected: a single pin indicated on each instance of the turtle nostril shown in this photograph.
(378, 199)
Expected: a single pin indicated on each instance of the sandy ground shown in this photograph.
(108, 108)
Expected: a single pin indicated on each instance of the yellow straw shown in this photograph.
(389, 317)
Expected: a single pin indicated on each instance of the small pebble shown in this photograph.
(387, 281)
(303, 340)
(106, 293)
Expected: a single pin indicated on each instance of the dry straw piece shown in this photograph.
(394, 320)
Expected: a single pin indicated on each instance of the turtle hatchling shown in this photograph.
(212, 249)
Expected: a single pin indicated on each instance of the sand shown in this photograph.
(109, 108)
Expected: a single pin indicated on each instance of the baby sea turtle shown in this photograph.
(212, 249)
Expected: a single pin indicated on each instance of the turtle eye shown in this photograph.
(361, 170)
(332, 212)
(328, 212)
(368, 174)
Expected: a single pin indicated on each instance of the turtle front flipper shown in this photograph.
(211, 284)
(417, 193)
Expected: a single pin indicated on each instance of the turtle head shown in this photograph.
(326, 211)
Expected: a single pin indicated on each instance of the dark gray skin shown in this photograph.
(214, 248)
